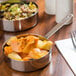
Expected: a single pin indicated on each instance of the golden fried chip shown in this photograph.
(26, 58)
(8, 50)
(43, 53)
(31, 42)
(23, 55)
(17, 44)
(46, 45)
(24, 44)
(11, 39)
(37, 53)
(14, 56)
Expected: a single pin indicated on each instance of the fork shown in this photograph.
(73, 37)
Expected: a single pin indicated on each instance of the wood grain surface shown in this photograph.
(58, 66)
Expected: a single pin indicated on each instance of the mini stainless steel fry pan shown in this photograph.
(19, 25)
(32, 65)
(28, 66)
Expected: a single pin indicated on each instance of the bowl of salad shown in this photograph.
(18, 16)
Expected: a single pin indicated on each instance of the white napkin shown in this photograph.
(68, 51)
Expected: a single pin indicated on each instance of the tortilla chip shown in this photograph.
(8, 50)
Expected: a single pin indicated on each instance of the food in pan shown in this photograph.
(17, 11)
(27, 48)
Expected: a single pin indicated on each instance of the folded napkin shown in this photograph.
(68, 51)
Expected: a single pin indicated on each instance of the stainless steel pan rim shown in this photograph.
(29, 60)
(28, 66)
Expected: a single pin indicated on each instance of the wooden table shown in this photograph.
(58, 67)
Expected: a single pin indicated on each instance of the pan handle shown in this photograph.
(59, 25)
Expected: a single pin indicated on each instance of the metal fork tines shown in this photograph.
(73, 37)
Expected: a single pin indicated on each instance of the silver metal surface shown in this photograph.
(59, 25)
(19, 25)
(28, 66)
(73, 37)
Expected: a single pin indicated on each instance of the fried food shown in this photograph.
(27, 58)
(37, 53)
(46, 45)
(27, 48)
(23, 55)
(31, 42)
(14, 56)
(8, 50)
(23, 44)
